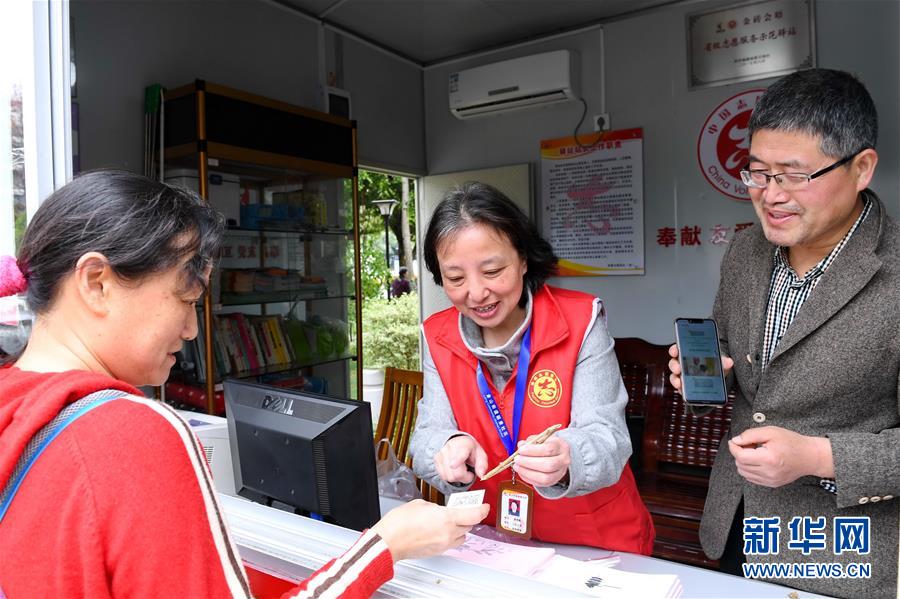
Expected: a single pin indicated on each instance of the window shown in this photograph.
(35, 131)
(35, 118)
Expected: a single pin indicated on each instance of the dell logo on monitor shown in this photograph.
(282, 405)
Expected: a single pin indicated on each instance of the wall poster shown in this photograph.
(592, 202)
(750, 41)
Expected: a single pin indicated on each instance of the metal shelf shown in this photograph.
(276, 368)
(187, 378)
(282, 226)
(274, 297)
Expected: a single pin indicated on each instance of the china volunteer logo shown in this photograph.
(544, 389)
(724, 144)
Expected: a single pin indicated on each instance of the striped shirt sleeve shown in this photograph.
(356, 574)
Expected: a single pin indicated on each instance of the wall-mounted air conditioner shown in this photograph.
(522, 82)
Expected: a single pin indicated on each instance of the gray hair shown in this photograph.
(831, 105)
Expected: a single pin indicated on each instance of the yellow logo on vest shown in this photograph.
(544, 389)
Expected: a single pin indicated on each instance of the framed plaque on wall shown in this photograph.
(750, 41)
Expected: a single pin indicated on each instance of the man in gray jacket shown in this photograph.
(803, 488)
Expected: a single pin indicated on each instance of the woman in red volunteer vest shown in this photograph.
(512, 357)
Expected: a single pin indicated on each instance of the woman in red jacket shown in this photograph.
(120, 502)
(512, 357)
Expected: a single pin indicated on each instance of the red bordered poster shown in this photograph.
(592, 202)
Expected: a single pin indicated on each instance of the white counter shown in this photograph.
(292, 547)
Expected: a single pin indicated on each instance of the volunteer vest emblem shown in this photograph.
(544, 389)
(724, 144)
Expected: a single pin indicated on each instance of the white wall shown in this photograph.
(388, 107)
(252, 45)
(646, 85)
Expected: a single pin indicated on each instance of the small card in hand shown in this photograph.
(466, 498)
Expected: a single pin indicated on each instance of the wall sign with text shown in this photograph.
(750, 41)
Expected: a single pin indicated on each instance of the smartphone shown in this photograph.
(702, 379)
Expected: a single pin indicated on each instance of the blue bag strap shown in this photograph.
(45, 435)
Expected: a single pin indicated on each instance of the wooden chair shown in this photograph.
(678, 453)
(402, 389)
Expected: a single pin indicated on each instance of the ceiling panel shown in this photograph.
(314, 7)
(429, 31)
(422, 30)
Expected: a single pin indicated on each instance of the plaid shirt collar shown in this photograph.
(781, 259)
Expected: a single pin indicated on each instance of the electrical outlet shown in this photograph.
(601, 122)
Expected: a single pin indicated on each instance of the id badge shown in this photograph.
(515, 508)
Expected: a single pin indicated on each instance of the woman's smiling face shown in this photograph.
(482, 274)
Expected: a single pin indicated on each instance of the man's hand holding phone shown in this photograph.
(698, 369)
(675, 367)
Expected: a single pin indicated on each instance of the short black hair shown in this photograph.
(475, 203)
(831, 105)
(141, 226)
(403, 270)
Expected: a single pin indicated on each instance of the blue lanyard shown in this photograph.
(509, 440)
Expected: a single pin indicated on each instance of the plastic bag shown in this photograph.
(395, 479)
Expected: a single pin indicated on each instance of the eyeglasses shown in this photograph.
(759, 179)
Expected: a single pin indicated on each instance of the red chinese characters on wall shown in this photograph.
(692, 235)
(665, 236)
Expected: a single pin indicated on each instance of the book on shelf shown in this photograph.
(230, 343)
(286, 341)
(223, 364)
(242, 335)
(262, 333)
(245, 344)
(247, 281)
(278, 340)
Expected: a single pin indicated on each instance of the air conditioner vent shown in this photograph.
(522, 82)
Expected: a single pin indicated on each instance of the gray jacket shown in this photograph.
(833, 374)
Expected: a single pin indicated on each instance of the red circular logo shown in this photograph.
(724, 143)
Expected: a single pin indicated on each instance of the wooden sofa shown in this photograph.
(676, 450)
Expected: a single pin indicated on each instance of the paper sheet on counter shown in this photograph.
(600, 579)
(506, 557)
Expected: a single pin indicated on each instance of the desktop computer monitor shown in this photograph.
(311, 452)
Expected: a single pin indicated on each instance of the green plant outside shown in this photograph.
(390, 329)
(375, 274)
(391, 332)
(20, 225)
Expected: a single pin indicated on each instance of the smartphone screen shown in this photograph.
(702, 380)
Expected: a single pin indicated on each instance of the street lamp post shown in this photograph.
(385, 207)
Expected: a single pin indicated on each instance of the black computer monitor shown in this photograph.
(311, 452)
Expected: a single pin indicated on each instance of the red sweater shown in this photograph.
(121, 503)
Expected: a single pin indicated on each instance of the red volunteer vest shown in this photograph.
(611, 518)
